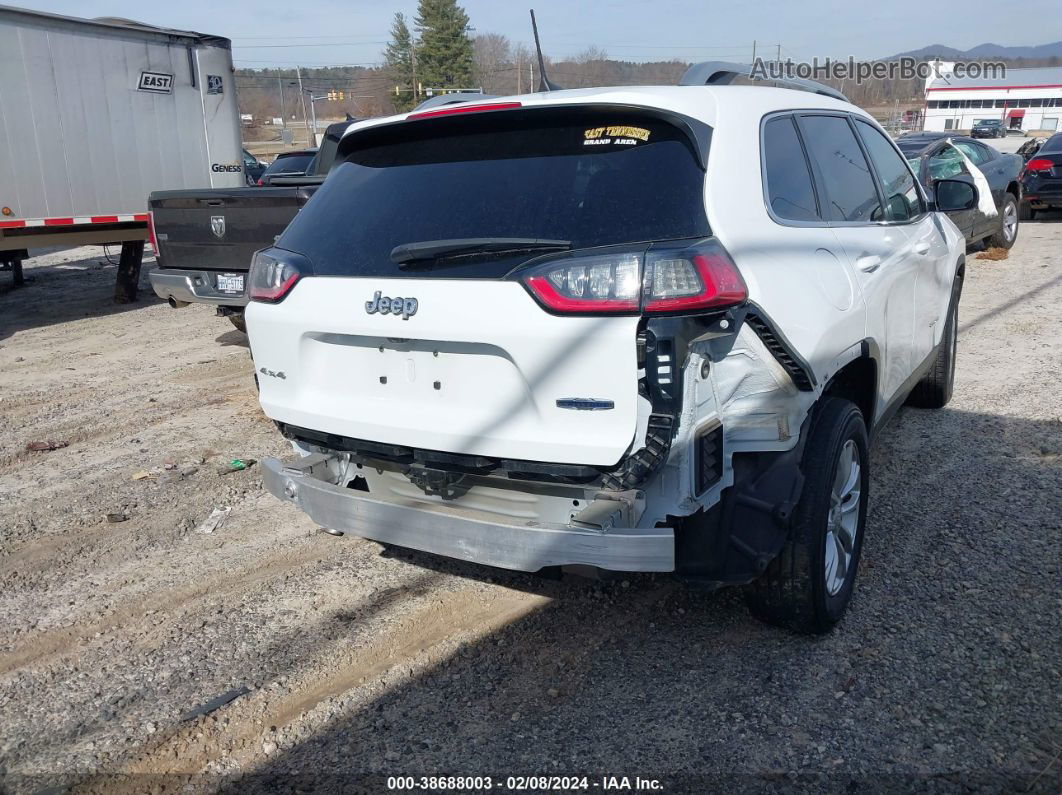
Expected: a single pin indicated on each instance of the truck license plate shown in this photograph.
(230, 283)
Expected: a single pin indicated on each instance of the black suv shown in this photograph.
(988, 128)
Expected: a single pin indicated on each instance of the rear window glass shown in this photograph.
(290, 164)
(1054, 144)
(595, 180)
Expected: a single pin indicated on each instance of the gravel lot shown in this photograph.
(945, 675)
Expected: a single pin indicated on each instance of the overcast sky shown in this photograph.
(327, 32)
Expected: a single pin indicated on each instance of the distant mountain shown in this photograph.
(986, 50)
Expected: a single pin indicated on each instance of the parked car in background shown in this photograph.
(936, 156)
(204, 239)
(253, 168)
(641, 329)
(1041, 180)
(988, 128)
(288, 164)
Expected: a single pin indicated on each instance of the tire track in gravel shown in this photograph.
(420, 638)
(50, 645)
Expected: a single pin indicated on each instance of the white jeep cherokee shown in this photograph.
(636, 329)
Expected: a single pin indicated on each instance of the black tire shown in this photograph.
(1026, 212)
(999, 239)
(792, 592)
(236, 318)
(934, 390)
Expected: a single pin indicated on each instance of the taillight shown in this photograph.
(600, 283)
(1039, 164)
(274, 273)
(259, 182)
(696, 278)
(151, 233)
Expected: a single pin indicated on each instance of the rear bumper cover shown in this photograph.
(456, 533)
(193, 287)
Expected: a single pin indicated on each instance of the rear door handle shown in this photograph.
(868, 263)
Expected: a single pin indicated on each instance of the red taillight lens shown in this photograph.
(259, 182)
(274, 273)
(151, 234)
(449, 110)
(600, 283)
(654, 281)
(1039, 164)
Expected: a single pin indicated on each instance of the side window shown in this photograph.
(978, 154)
(902, 199)
(946, 163)
(849, 186)
(789, 189)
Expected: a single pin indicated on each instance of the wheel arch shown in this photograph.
(857, 381)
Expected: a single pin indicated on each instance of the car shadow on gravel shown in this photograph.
(940, 674)
(66, 291)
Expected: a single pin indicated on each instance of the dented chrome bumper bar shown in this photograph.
(445, 529)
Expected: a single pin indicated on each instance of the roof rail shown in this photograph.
(453, 99)
(721, 73)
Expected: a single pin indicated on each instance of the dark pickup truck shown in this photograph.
(204, 239)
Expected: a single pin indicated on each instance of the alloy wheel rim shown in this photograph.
(1010, 221)
(842, 524)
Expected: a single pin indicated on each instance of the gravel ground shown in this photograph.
(361, 664)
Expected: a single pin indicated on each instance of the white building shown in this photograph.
(1026, 99)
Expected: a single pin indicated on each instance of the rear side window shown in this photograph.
(591, 177)
(902, 199)
(290, 164)
(846, 177)
(977, 153)
(790, 192)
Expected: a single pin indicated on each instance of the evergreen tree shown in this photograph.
(444, 52)
(399, 60)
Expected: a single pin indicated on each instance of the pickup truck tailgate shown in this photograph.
(220, 230)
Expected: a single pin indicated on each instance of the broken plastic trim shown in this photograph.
(792, 362)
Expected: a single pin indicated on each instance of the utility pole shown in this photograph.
(519, 76)
(283, 119)
(413, 62)
(778, 57)
(754, 51)
(302, 100)
(531, 73)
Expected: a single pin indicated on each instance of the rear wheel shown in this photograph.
(1026, 212)
(934, 390)
(1007, 232)
(808, 586)
(236, 318)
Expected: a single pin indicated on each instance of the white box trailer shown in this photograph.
(97, 113)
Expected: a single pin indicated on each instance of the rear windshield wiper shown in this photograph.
(410, 255)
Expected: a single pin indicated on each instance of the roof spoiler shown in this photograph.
(452, 99)
(721, 73)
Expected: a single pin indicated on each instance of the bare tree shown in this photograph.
(492, 62)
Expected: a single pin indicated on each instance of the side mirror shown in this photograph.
(954, 194)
